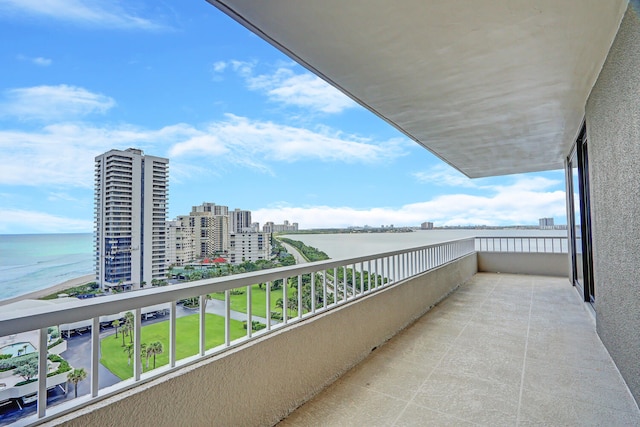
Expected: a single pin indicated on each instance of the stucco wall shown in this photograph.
(541, 264)
(613, 129)
(261, 382)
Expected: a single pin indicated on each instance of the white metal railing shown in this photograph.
(332, 284)
(526, 244)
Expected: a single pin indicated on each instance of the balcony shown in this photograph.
(492, 348)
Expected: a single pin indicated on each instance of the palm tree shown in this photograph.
(116, 324)
(145, 352)
(155, 348)
(128, 348)
(129, 323)
(75, 377)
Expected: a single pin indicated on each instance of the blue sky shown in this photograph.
(242, 125)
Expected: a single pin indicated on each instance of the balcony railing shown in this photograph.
(526, 244)
(332, 283)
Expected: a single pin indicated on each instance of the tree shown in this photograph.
(129, 324)
(128, 348)
(145, 352)
(75, 377)
(28, 369)
(116, 324)
(155, 348)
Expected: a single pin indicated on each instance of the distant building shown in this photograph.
(249, 246)
(546, 223)
(240, 221)
(270, 227)
(210, 224)
(211, 208)
(426, 226)
(180, 241)
(130, 214)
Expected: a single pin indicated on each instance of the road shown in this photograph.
(293, 251)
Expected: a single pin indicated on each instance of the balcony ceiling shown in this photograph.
(492, 87)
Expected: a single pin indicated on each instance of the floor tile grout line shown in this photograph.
(524, 359)
(410, 401)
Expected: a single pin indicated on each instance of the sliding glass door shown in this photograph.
(579, 217)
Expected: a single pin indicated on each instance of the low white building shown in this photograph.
(249, 247)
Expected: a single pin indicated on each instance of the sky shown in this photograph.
(242, 125)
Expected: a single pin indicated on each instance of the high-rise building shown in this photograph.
(240, 221)
(180, 241)
(211, 208)
(546, 223)
(130, 215)
(210, 226)
(426, 226)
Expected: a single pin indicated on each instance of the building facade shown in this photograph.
(546, 223)
(130, 215)
(249, 246)
(241, 221)
(180, 242)
(270, 227)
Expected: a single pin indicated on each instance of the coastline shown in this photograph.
(78, 281)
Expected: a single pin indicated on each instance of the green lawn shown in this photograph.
(258, 300)
(187, 342)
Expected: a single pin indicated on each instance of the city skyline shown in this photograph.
(241, 124)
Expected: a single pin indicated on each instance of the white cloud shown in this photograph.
(522, 202)
(63, 154)
(286, 87)
(86, 12)
(244, 141)
(53, 103)
(40, 61)
(444, 175)
(17, 220)
(219, 66)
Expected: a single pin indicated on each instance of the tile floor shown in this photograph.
(510, 350)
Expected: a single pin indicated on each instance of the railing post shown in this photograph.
(313, 292)
(137, 356)
(344, 285)
(42, 372)
(95, 355)
(299, 296)
(227, 318)
(203, 325)
(285, 302)
(249, 314)
(324, 288)
(172, 334)
(268, 301)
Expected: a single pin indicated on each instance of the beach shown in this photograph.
(51, 289)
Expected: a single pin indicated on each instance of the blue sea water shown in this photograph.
(29, 262)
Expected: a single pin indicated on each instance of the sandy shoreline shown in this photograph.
(51, 289)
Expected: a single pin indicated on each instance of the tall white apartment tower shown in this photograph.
(130, 214)
(240, 221)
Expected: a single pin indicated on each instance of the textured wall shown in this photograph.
(541, 264)
(613, 129)
(261, 382)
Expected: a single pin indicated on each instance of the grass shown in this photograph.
(258, 300)
(114, 358)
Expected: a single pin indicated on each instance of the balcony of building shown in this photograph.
(429, 336)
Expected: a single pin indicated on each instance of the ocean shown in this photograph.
(339, 246)
(29, 262)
